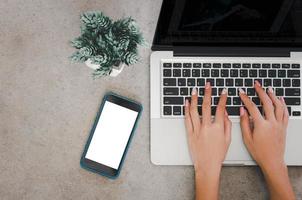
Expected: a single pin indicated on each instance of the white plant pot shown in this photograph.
(116, 70)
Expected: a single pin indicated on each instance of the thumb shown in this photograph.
(245, 126)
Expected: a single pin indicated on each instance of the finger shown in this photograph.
(285, 113)
(245, 126)
(206, 105)
(219, 117)
(188, 122)
(279, 108)
(251, 107)
(227, 127)
(193, 110)
(266, 101)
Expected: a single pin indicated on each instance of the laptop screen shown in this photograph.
(267, 23)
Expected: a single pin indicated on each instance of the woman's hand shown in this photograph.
(208, 141)
(265, 136)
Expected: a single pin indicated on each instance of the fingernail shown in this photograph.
(208, 84)
(194, 91)
(257, 83)
(242, 111)
(224, 91)
(241, 91)
(270, 89)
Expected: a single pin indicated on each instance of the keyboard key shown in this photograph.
(219, 82)
(256, 65)
(176, 110)
(229, 101)
(191, 82)
(187, 65)
(248, 82)
(224, 73)
(253, 73)
(285, 66)
(279, 91)
(200, 82)
(219, 91)
(177, 65)
(206, 65)
(296, 113)
(167, 110)
(246, 65)
(292, 91)
(277, 82)
(233, 111)
(262, 73)
(238, 82)
(292, 101)
(256, 100)
(236, 101)
(205, 73)
(199, 100)
(229, 82)
(296, 82)
(184, 91)
(214, 91)
(181, 82)
(176, 73)
(186, 73)
(169, 81)
(199, 110)
(232, 91)
(266, 66)
(276, 66)
(167, 73)
(216, 65)
(289, 111)
(226, 65)
(216, 101)
(196, 65)
(272, 73)
(281, 73)
(214, 73)
(267, 82)
(286, 82)
(295, 66)
(174, 100)
(236, 65)
(212, 81)
(250, 92)
(234, 72)
(293, 73)
(201, 91)
(213, 110)
(243, 73)
(171, 91)
(196, 73)
(167, 65)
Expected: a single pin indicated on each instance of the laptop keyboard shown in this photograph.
(179, 78)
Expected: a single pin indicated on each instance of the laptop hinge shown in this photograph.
(231, 51)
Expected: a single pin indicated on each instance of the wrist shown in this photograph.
(208, 172)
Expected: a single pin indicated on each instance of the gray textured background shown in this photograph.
(48, 105)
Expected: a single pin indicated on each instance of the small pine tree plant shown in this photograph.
(106, 42)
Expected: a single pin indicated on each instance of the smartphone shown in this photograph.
(110, 135)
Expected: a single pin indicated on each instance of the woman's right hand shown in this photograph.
(264, 136)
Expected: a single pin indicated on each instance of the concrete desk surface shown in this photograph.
(48, 105)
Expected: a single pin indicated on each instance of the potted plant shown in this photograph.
(106, 45)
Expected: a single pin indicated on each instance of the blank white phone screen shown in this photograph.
(111, 135)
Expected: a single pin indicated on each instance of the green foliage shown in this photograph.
(106, 42)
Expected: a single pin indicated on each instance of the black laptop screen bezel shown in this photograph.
(163, 40)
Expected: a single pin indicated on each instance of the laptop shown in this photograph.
(229, 44)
